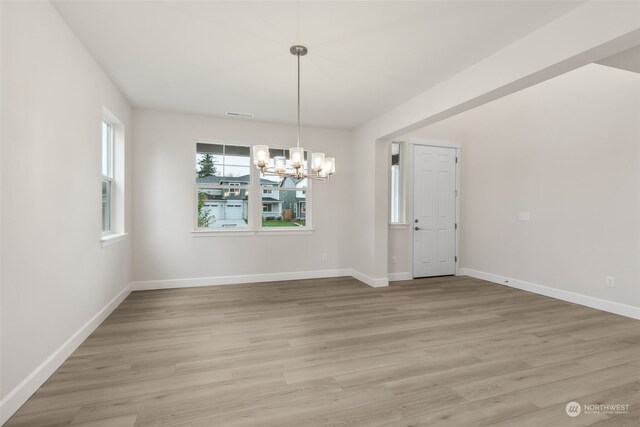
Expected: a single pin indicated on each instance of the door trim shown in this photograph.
(409, 205)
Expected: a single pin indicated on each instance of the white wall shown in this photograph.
(55, 275)
(164, 247)
(363, 232)
(1, 209)
(539, 56)
(566, 151)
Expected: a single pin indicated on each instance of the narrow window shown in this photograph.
(107, 177)
(395, 184)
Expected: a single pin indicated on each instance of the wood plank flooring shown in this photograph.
(452, 351)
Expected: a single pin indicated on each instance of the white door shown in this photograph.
(434, 211)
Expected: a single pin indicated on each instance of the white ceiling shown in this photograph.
(365, 57)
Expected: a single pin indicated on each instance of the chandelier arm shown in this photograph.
(267, 172)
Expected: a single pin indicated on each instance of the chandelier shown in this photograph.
(321, 167)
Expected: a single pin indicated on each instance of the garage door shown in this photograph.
(234, 211)
(215, 210)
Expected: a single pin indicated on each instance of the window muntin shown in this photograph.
(223, 180)
(107, 177)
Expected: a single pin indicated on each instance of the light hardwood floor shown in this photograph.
(451, 351)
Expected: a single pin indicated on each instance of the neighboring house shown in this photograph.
(294, 200)
(231, 203)
(271, 203)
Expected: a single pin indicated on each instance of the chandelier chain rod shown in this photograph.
(298, 55)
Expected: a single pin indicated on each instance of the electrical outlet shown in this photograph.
(324, 257)
(610, 281)
(393, 260)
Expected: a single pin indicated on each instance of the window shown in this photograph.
(285, 200)
(223, 179)
(230, 193)
(107, 177)
(396, 185)
(234, 189)
(112, 151)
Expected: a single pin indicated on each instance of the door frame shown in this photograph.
(411, 143)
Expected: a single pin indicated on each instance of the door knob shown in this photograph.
(417, 228)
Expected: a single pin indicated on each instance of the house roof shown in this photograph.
(295, 181)
(237, 197)
(244, 179)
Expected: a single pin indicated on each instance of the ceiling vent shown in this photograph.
(239, 115)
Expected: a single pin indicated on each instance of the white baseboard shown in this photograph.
(19, 395)
(234, 280)
(396, 277)
(371, 281)
(597, 303)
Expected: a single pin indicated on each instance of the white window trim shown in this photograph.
(284, 231)
(112, 239)
(117, 177)
(109, 176)
(254, 201)
(401, 186)
(398, 226)
(277, 231)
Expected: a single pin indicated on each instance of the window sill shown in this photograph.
(112, 239)
(230, 233)
(398, 226)
(197, 232)
(284, 231)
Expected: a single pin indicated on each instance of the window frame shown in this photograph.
(230, 186)
(254, 200)
(108, 178)
(283, 190)
(399, 198)
(115, 177)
